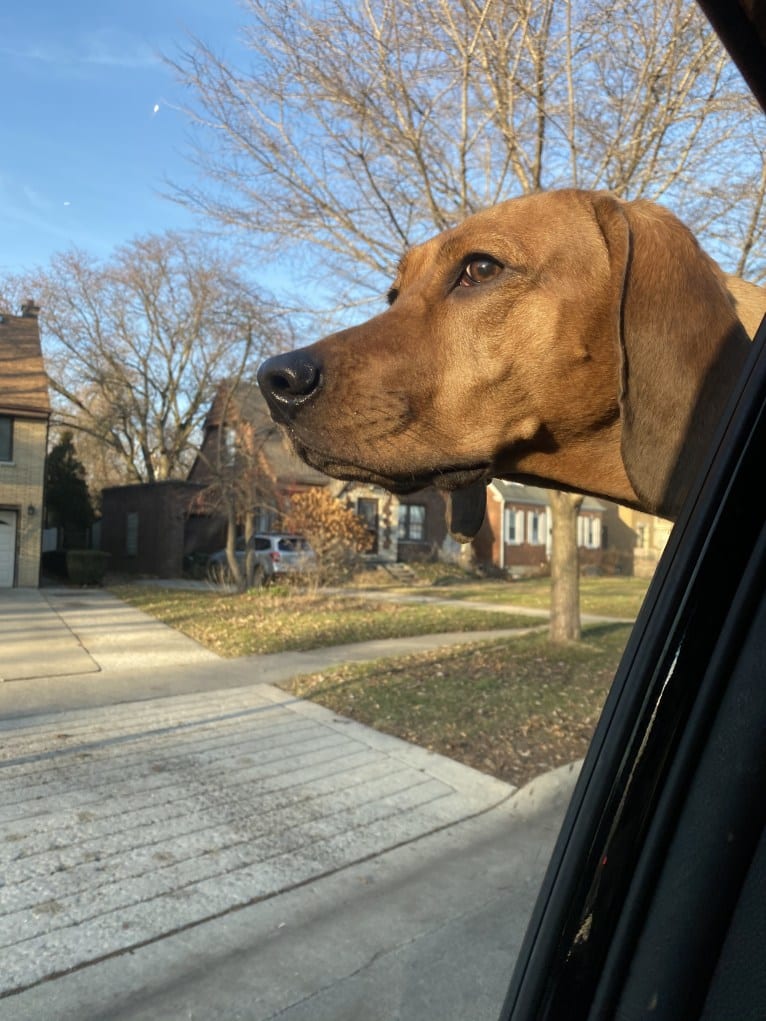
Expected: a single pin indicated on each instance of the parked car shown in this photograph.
(276, 554)
(654, 903)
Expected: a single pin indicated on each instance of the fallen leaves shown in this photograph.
(267, 621)
(514, 708)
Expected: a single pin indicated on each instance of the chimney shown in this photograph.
(30, 310)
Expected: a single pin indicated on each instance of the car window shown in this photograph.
(603, 122)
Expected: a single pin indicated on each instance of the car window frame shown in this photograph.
(561, 966)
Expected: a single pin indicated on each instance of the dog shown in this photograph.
(567, 339)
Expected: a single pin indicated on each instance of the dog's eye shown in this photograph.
(478, 270)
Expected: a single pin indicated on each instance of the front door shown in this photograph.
(367, 510)
(7, 547)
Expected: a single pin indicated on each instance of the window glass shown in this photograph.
(514, 527)
(230, 446)
(588, 532)
(6, 438)
(534, 528)
(412, 522)
(367, 510)
(131, 534)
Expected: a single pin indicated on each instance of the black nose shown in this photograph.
(288, 380)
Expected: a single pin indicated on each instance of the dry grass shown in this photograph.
(274, 620)
(514, 708)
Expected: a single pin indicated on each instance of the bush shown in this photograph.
(86, 566)
(335, 533)
(54, 562)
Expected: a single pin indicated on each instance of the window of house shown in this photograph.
(229, 446)
(367, 510)
(514, 526)
(131, 534)
(588, 532)
(412, 522)
(535, 520)
(6, 438)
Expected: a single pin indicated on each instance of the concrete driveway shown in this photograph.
(179, 839)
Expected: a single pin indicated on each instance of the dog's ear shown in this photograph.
(681, 347)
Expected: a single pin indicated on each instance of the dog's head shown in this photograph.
(563, 338)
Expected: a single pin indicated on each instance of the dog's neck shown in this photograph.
(592, 465)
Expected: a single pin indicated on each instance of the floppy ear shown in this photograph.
(681, 347)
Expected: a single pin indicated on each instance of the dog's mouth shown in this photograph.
(448, 478)
(465, 485)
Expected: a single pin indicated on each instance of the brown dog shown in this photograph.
(566, 338)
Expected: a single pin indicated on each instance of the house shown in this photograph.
(24, 414)
(245, 459)
(516, 534)
(152, 528)
(144, 527)
(636, 539)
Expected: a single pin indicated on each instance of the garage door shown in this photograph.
(7, 547)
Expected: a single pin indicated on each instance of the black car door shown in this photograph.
(654, 905)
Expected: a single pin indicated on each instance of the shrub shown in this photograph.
(54, 562)
(86, 566)
(335, 533)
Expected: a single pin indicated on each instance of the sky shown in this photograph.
(90, 123)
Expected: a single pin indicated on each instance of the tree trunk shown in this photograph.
(231, 546)
(565, 575)
(250, 562)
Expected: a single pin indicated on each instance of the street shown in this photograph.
(158, 828)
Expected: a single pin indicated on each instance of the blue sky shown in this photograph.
(89, 128)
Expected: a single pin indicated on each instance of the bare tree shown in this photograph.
(135, 345)
(239, 480)
(360, 128)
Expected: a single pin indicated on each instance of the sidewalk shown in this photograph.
(474, 604)
(180, 839)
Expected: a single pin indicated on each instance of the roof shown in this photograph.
(243, 402)
(23, 382)
(516, 492)
(169, 484)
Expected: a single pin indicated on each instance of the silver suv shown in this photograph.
(276, 553)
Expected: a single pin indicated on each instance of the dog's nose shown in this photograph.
(286, 381)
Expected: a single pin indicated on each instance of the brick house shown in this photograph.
(24, 415)
(241, 441)
(516, 534)
(144, 527)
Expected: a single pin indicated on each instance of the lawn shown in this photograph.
(514, 708)
(607, 596)
(278, 620)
